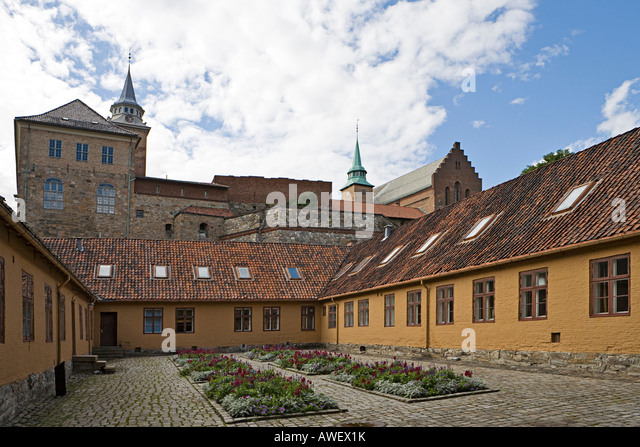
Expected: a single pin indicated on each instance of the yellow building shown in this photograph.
(45, 316)
(538, 269)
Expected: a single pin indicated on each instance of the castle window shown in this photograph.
(456, 192)
(107, 155)
(55, 148)
(82, 152)
(139, 213)
(106, 199)
(53, 194)
(467, 193)
(446, 196)
(243, 272)
(573, 198)
(168, 229)
(203, 230)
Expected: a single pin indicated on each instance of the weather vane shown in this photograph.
(357, 125)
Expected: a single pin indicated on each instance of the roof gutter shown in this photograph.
(488, 265)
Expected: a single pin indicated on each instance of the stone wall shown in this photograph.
(547, 361)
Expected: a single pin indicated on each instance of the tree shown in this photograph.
(549, 158)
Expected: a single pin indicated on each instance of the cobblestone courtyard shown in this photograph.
(148, 391)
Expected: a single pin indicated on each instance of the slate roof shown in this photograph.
(523, 227)
(407, 184)
(133, 258)
(77, 115)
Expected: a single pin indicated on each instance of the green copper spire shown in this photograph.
(357, 174)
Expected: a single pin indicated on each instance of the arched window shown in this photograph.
(456, 192)
(446, 196)
(53, 194)
(203, 231)
(106, 199)
(466, 192)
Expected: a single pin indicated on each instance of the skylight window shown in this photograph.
(391, 255)
(574, 197)
(429, 242)
(293, 273)
(160, 271)
(243, 273)
(343, 270)
(104, 271)
(202, 272)
(360, 266)
(479, 227)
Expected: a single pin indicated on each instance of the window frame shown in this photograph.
(106, 203)
(185, 320)
(445, 305)
(390, 310)
(271, 314)
(392, 255)
(348, 314)
(245, 319)
(588, 187)
(342, 271)
(363, 312)
(153, 318)
(610, 279)
(28, 323)
(51, 198)
(107, 155)
(111, 271)
(484, 296)
(154, 272)
(414, 308)
(236, 272)
(332, 321)
(427, 245)
(197, 276)
(360, 265)
(287, 271)
(308, 318)
(55, 148)
(479, 227)
(82, 152)
(534, 298)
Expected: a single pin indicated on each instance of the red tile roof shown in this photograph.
(133, 259)
(523, 227)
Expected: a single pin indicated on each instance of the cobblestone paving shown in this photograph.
(148, 392)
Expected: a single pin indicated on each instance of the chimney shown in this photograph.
(79, 244)
(387, 231)
(456, 145)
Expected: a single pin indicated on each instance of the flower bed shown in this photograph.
(406, 380)
(313, 362)
(243, 391)
(269, 353)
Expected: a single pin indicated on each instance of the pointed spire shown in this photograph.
(128, 94)
(126, 109)
(357, 174)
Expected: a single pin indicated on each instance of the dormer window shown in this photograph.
(573, 198)
(160, 271)
(104, 271)
(293, 273)
(343, 270)
(243, 272)
(391, 255)
(479, 227)
(428, 243)
(202, 272)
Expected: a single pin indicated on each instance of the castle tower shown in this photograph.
(357, 179)
(127, 113)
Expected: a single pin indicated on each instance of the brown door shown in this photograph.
(108, 328)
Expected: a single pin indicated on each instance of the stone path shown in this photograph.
(149, 392)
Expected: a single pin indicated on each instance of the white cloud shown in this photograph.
(619, 114)
(518, 101)
(258, 88)
(477, 124)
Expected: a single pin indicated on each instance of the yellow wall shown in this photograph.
(19, 359)
(214, 324)
(568, 310)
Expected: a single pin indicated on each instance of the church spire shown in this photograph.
(357, 174)
(126, 109)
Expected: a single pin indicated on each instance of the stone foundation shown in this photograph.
(562, 362)
(18, 394)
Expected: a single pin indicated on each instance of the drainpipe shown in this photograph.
(426, 323)
(59, 341)
(129, 190)
(337, 325)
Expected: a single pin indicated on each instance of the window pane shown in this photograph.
(541, 298)
(541, 279)
(527, 280)
(621, 304)
(490, 310)
(601, 269)
(620, 287)
(601, 289)
(527, 304)
(489, 287)
(620, 267)
(478, 309)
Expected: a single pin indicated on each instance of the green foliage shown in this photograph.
(549, 158)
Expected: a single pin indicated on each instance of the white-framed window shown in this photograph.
(428, 243)
(391, 255)
(243, 272)
(104, 271)
(160, 271)
(479, 227)
(573, 198)
(202, 272)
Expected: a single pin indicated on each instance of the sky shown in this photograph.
(277, 88)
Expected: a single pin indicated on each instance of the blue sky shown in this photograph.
(275, 88)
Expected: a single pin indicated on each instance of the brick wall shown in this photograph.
(254, 190)
(455, 168)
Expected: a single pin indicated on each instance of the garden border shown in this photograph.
(415, 399)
